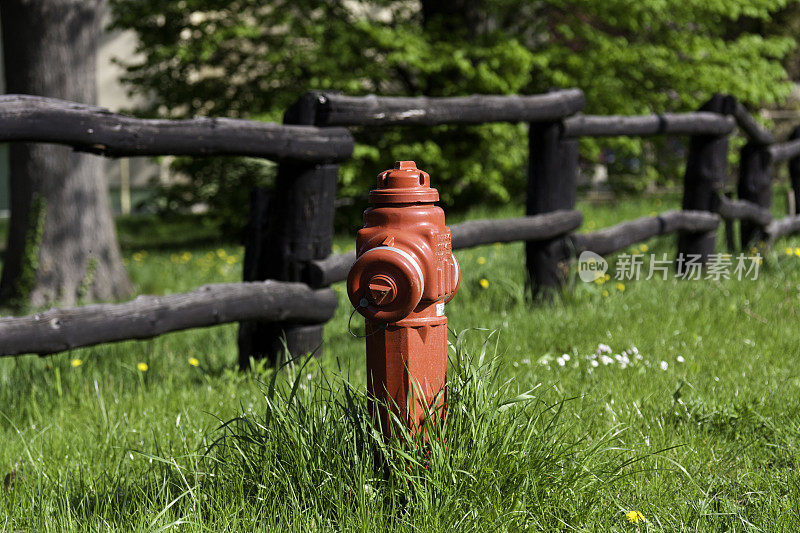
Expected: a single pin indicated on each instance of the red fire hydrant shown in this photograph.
(404, 275)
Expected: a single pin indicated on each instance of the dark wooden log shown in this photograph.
(465, 235)
(786, 150)
(99, 131)
(615, 238)
(781, 227)
(706, 170)
(552, 182)
(58, 330)
(794, 171)
(341, 110)
(730, 209)
(299, 229)
(755, 190)
(701, 123)
(755, 133)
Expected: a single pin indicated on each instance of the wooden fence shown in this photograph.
(284, 296)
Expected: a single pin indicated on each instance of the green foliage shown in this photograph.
(23, 285)
(245, 58)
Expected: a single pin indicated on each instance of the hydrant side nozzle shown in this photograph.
(391, 281)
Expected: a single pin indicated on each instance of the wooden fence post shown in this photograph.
(295, 228)
(706, 168)
(794, 173)
(552, 182)
(755, 185)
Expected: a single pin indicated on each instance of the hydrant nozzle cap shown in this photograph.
(404, 184)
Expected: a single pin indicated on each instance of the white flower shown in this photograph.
(664, 365)
(603, 348)
(560, 361)
(565, 357)
(606, 360)
(680, 359)
(595, 363)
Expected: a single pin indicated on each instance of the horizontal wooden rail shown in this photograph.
(752, 129)
(743, 210)
(341, 110)
(785, 150)
(97, 130)
(699, 123)
(58, 330)
(782, 226)
(615, 238)
(465, 235)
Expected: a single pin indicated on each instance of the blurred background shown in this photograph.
(252, 59)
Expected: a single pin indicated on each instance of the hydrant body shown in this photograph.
(404, 274)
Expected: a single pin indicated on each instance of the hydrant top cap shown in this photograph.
(405, 183)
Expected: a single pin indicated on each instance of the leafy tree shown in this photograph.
(247, 58)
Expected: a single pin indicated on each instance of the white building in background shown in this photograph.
(127, 177)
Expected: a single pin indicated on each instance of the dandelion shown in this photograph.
(634, 517)
(484, 283)
(599, 279)
(607, 277)
(605, 294)
(621, 287)
(664, 365)
(643, 248)
(76, 363)
(797, 252)
(789, 251)
(481, 260)
(142, 367)
(193, 361)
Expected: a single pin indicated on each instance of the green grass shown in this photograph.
(710, 443)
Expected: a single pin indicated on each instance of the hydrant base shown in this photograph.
(407, 371)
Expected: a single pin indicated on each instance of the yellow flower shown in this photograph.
(481, 260)
(643, 248)
(620, 287)
(193, 361)
(605, 294)
(634, 517)
(789, 251)
(600, 279)
(608, 277)
(221, 253)
(484, 283)
(76, 363)
(138, 256)
(797, 252)
(142, 367)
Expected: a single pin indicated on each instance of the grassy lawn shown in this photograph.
(675, 399)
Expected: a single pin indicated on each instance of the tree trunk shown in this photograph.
(61, 244)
